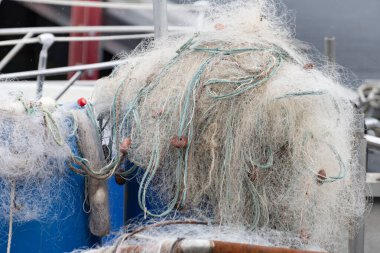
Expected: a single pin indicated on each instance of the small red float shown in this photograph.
(82, 102)
(308, 66)
(125, 145)
(254, 173)
(219, 26)
(179, 142)
(321, 176)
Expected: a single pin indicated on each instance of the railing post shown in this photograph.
(356, 241)
(46, 39)
(160, 19)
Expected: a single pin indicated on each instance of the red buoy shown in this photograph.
(82, 102)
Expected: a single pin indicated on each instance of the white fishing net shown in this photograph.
(238, 124)
(235, 124)
(33, 160)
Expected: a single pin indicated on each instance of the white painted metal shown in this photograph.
(14, 50)
(84, 38)
(160, 19)
(87, 29)
(108, 5)
(61, 70)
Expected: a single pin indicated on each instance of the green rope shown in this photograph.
(269, 162)
(245, 83)
(155, 156)
(75, 121)
(53, 127)
(91, 115)
(191, 90)
(30, 108)
(342, 167)
(186, 117)
(50, 122)
(302, 93)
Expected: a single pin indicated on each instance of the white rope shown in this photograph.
(11, 207)
(109, 5)
(370, 93)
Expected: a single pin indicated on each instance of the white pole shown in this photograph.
(87, 29)
(46, 39)
(109, 5)
(330, 49)
(61, 70)
(160, 19)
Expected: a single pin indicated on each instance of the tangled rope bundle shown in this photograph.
(237, 126)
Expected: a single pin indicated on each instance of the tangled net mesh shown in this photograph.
(235, 125)
(156, 237)
(33, 160)
(240, 126)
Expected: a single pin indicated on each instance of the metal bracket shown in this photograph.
(46, 39)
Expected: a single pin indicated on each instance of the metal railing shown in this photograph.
(159, 30)
(34, 40)
(61, 70)
(112, 5)
(87, 29)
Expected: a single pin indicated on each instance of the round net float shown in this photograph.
(125, 145)
(219, 26)
(179, 142)
(82, 102)
(308, 66)
(321, 176)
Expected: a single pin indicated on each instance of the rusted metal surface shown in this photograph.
(205, 246)
(182, 245)
(132, 249)
(228, 247)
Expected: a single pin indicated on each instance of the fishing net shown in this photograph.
(38, 142)
(237, 124)
(33, 151)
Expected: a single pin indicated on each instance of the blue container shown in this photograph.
(63, 233)
(132, 211)
(124, 208)
(116, 207)
(123, 204)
